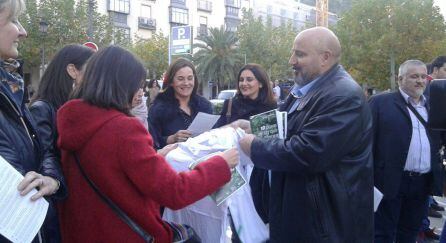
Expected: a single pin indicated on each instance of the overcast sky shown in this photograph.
(442, 5)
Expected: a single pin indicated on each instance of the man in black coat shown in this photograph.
(407, 165)
(321, 174)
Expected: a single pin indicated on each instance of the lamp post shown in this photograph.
(43, 28)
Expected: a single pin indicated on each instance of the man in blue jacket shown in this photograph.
(321, 174)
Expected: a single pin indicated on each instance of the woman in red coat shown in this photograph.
(116, 153)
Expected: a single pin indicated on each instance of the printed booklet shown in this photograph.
(270, 124)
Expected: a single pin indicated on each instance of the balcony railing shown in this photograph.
(146, 23)
(204, 5)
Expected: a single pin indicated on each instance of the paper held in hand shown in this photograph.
(226, 191)
(20, 218)
(270, 124)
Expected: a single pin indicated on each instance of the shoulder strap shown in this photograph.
(420, 118)
(132, 224)
(414, 111)
(228, 112)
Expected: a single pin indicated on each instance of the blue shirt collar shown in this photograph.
(299, 91)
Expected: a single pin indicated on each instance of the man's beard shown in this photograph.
(303, 79)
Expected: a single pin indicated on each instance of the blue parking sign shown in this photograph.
(181, 39)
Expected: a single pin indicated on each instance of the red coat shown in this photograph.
(117, 154)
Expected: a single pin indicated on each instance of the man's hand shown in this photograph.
(243, 124)
(44, 184)
(164, 151)
(245, 143)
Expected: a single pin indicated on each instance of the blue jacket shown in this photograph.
(166, 118)
(392, 132)
(20, 144)
(322, 173)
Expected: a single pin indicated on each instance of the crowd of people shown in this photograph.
(93, 142)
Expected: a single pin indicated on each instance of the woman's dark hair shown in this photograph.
(266, 92)
(170, 74)
(112, 77)
(154, 81)
(56, 84)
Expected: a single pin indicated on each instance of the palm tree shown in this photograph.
(218, 58)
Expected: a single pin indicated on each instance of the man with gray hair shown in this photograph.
(407, 167)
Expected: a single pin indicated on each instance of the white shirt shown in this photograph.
(419, 154)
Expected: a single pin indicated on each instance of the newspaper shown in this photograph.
(20, 218)
(226, 191)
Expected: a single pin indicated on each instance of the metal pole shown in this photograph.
(90, 20)
(392, 70)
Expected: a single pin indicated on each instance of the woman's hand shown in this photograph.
(180, 136)
(44, 184)
(164, 151)
(231, 157)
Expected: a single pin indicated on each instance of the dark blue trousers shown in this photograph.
(399, 219)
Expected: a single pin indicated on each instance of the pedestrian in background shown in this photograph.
(176, 106)
(407, 166)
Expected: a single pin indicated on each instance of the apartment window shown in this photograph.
(146, 11)
(178, 1)
(203, 20)
(119, 19)
(179, 15)
(233, 3)
(121, 6)
(204, 5)
(231, 11)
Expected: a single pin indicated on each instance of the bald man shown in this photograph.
(321, 174)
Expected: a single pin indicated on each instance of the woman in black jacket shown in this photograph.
(176, 106)
(254, 96)
(61, 76)
(63, 73)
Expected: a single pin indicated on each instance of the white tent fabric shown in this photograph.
(209, 220)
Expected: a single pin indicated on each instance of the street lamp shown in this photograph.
(43, 28)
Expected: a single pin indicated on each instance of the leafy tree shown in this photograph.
(153, 53)
(218, 57)
(67, 20)
(266, 45)
(376, 34)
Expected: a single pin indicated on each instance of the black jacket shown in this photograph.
(166, 118)
(322, 173)
(392, 135)
(242, 108)
(20, 144)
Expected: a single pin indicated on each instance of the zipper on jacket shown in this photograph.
(20, 117)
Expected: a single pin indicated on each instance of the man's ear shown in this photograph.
(325, 57)
(72, 71)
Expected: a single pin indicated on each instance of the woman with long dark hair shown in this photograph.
(98, 135)
(176, 106)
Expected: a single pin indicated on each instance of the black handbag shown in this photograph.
(132, 224)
